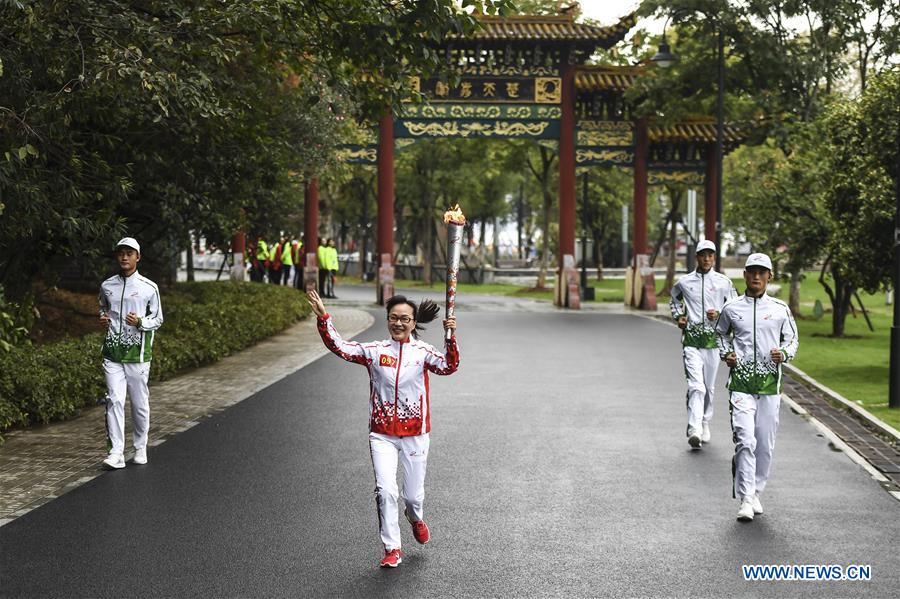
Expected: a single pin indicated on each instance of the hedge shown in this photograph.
(203, 323)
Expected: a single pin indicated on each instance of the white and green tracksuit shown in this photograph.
(127, 351)
(751, 328)
(692, 296)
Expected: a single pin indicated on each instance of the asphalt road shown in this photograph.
(558, 468)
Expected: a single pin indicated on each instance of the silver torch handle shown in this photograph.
(454, 240)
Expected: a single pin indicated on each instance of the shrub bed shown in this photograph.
(203, 323)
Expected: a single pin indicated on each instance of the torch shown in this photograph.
(455, 220)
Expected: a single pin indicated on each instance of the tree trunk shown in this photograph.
(794, 296)
(543, 178)
(598, 254)
(398, 234)
(482, 239)
(673, 253)
(427, 247)
(520, 217)
(545, 240)
(190, 260)
(496, 243)
(366, 228)
(841, 305)
(840, 297)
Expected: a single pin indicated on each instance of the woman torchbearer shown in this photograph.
(399, 408)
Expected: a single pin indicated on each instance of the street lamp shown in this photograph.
(665, 59)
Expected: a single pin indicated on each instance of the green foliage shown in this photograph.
(15, 320)
(832, 198)
(774, 199)
(861, 154)
(163, 117)
(204, 322)
(777, 73)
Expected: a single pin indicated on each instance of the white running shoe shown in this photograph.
(745, 514)
(114, 461)
(705, 435)
(757, 505)
(140, 455)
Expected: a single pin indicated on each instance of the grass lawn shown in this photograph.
(855, 366)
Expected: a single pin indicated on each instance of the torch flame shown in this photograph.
(455, 216)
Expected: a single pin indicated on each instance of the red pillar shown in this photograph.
(385, 245)
(566, 294)
(640, 188)
(709, 204)
(311, 235)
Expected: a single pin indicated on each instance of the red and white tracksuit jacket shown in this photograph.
(398, 377)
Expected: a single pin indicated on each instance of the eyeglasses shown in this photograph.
(404, 319)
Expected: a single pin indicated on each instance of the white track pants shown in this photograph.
(754, 421)
(412, 453)
(133, 379)
(700, 368)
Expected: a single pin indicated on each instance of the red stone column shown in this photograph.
(709, 204)
(567, 295)
(311, 235)
(385, 243)
(640, 187)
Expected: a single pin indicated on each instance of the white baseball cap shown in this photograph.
(706, 244)
(129, 242)
(758, 260)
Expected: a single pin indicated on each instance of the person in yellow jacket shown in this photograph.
(275, 262)
(297, 256)
(260, 261)
(322, 259)
(331, 263)
(287, 261)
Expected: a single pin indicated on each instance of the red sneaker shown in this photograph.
(420, 529)
(392, 558)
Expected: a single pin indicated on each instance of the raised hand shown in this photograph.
(312, 296)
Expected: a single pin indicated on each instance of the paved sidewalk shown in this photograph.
(41, 463)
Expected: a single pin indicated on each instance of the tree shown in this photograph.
(776, 74)
(541, 167)
(165, 117)
(608, 190)
(779, 80)
(669, 225)
(775, 199)
(862, 149)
